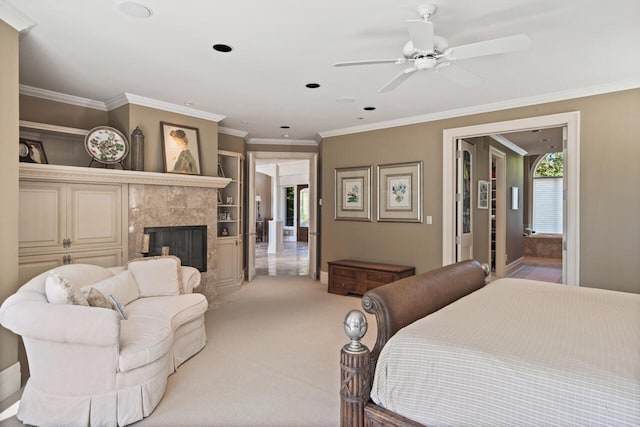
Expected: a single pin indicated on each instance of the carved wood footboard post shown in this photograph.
(355, 369)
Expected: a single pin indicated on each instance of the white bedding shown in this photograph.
(518, 353)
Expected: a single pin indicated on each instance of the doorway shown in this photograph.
(280, 250)
(571, 233)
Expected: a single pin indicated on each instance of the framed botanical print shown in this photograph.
(353, 193)
(400, 192)
(483, 194)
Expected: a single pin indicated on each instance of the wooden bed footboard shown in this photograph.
(395, 306)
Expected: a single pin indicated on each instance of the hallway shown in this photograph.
(292, 261)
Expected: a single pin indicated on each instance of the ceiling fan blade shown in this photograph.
(371, 61)
(489, 47)
(459, 75)
(421, 34)
(397, 80)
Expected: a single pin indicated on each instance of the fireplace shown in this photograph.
(187, 242)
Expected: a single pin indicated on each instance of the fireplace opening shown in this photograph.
(188, 242)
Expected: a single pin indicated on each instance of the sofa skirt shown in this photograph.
(120, 407)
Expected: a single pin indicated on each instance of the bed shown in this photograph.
(453, 351)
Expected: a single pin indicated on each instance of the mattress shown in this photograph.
(518, 353)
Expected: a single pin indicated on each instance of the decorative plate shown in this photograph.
(106, 144)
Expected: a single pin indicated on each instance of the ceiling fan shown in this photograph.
(426, 51)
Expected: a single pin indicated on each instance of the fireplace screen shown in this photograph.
(189, 243)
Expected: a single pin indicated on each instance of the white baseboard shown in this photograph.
(324, 277)
(513, 266)
(10, 381)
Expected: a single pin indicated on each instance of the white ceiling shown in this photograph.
(92, 50)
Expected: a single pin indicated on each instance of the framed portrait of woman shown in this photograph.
(180, 148)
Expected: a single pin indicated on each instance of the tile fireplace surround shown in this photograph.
(167, 206)
(154, 200)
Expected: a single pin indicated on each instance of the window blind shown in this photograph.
(547, 205)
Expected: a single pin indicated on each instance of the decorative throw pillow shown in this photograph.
(157, 276)
(122, 286)
(60, 291)
(97, 299)
(118, 307)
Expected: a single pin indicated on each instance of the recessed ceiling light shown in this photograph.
(535, 130)
(286, 135)
(134, 10)
(312, 85)
(188, 104)
(359, 118)
(369, 108)
(285, 127)
(224, 48)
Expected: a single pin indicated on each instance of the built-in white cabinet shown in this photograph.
(230, 221)
(64, 223)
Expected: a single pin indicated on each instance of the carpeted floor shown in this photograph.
(272, 359)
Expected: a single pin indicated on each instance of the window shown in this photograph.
(547, 194)
(304, 207)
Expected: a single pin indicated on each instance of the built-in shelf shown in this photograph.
(57, 173)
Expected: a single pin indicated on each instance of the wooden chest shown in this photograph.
(357, 277)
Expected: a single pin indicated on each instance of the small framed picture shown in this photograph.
(229, 200)
(483, 194)
(400, 192)
(180, 148)
(353, 193)
(30, 151)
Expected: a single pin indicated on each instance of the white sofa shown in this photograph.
(89, 366)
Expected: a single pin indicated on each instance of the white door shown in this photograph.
(464, 198)
(251, 217)
(565, 208)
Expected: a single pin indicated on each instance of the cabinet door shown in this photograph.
(94, 217)
(42, 210)
(227, 253)
(32, 265)
(240, 254)
(105, 258)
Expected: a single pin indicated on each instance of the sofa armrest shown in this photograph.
(191, 278)
(26, 314)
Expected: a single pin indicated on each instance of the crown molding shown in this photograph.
(275, 141)
(487, 108)
(61, 97)
(131, 98)
(500, 139)
(232, 132)
(14, 17)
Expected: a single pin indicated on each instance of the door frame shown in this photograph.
(501, 210)
(571, 263)
(313, 206)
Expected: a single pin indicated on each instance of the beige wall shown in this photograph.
(9, 105)
(609, 198)
(57, 113)
(232, 143)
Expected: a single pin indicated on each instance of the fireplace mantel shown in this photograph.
(57, 173)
